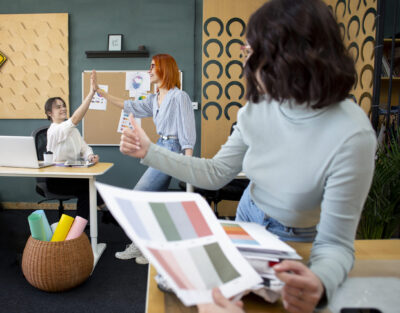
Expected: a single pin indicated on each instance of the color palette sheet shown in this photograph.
(255, 241)
(181, 237)
(166, 221)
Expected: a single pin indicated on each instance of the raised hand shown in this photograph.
(302, 290)
(93, 82)
(134, 143)
(221, 304)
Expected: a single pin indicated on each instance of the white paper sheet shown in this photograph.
(98, 102)
(138, 81)
(124, 121)
(253, 240)
(181, 237)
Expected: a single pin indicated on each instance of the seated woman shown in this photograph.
(307, 150)
(66, 143)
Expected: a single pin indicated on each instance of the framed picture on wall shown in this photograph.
(114, 42)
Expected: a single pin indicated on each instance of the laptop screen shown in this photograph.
(18, 151)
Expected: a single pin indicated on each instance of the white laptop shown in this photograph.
(19, 151)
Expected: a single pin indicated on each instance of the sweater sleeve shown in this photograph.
(86, 150)
(58, 133)
(346, 189)
(140, 108)
(209, 174)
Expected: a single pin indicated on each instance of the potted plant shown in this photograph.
(381, 216)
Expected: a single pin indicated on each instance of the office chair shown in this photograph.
(232, 191)
(40, 136)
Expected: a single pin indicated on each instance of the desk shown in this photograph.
(89, 173)
(367, 252)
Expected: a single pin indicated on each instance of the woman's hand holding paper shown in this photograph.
(221, 304)
(302, 290)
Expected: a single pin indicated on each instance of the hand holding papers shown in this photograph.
(262, 250)
(181, 237)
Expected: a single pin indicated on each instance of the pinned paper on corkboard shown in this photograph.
(36, 46)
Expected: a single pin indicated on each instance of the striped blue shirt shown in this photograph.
(174, 117)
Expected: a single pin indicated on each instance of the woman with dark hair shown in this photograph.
(66, 143)
(173, 116)
(307, 150)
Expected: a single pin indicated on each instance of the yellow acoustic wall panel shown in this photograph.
(223, 85)
(356, 20)
(36, 47)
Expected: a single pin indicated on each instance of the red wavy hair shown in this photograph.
(167, 70)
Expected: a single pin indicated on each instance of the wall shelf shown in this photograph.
(394, 78)
(118, 54)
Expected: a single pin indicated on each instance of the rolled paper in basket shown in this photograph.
(46, 226)
(77, 228)
(63, 228)
(36, 226)
(53, 227)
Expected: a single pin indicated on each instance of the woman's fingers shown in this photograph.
(219, 298)
(128, 148)
(302, 290)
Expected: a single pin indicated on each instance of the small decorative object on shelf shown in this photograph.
(114, 42)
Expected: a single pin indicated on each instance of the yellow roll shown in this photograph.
(63, 227)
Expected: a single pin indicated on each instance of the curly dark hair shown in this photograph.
(297, 53)
(49, 105)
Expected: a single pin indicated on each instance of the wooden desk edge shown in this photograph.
(154, 296)
(96, 170)
(364, 250)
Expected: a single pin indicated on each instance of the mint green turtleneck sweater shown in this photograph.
(306, 167)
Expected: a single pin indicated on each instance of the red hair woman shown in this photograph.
(172, 112)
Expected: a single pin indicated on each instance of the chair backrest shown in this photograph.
(232, 128)
(40, 136)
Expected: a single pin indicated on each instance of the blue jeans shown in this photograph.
(155, 180)
(248, 211)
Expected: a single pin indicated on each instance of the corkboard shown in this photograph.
(100, 127)
(36, 47)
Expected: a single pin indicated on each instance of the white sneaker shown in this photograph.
(130, 252)
(141, 260)
(162, 284)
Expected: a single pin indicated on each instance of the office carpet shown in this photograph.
(115, 285)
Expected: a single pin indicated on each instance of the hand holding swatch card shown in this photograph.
(181, 237)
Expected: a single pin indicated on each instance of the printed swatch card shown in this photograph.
(124, 122)
(253, 240)
(98, 102)
(181, 237)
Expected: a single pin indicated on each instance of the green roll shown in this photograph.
(37, 227)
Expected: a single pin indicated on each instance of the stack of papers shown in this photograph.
(181, 237)
(255, 242)
(262, 250)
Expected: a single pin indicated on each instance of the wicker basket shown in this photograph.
(57, 266)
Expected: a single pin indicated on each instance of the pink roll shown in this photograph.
(77, 228)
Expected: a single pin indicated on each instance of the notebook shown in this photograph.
(19, 151)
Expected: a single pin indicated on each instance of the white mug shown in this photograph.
(48, 157)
